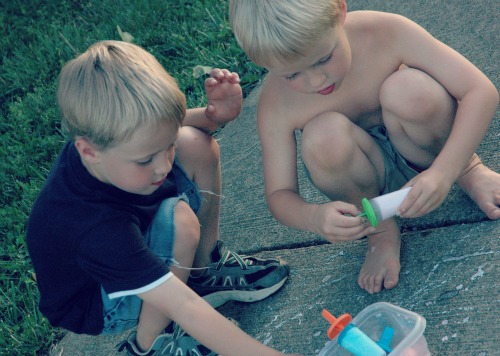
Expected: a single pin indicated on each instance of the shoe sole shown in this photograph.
(219, 298)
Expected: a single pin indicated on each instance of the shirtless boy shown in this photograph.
(381, 105)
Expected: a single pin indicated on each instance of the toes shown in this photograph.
(493, 213)
(361, 282)
(378, 280)
(390, 283)
(364, 283)
(371, 284)
(392, 277)
(375, 283)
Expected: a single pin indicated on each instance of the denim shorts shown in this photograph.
(396, 169)
(121, 314)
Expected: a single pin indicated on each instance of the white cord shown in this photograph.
(211, 193)
(176, 264)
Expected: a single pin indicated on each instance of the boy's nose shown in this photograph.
(164, 165)
(316, 78)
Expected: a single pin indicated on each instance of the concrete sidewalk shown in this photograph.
(450, 272)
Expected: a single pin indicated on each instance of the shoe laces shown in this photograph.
(228, 257)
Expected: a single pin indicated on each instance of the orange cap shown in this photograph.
(337, 324)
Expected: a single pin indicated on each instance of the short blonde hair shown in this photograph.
(280, 31)
(113, 88)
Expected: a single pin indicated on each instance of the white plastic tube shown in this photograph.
(385, 206)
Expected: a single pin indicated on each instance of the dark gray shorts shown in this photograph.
(397, 169)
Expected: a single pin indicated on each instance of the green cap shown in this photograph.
(369, 212)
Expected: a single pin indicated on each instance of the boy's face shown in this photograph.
(138, 165)
(322, 70)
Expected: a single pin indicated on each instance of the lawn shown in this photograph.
(37, 38)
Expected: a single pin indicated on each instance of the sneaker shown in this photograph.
(240, 278)
(175, 343)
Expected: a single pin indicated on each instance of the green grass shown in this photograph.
(37, 37)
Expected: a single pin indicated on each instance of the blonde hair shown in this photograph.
(113, 88)
(280, 31)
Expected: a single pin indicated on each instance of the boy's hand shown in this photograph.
(338, 221)
(224, 96)
(429, 189)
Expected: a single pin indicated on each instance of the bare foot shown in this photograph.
(381, 266)
(483, 186)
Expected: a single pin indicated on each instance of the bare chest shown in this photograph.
(357, 98)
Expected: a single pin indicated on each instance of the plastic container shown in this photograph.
(358, 343)
(384, 206)
(379, 318)
(350, 337)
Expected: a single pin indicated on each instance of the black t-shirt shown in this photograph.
(83, 234)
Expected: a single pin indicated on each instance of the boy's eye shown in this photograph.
(325, 60)
(292, 76)
(146, 162)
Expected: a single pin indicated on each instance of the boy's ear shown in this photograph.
(342, 12)
(87, 150)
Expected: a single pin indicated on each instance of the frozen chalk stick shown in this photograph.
(358, 343)
(386, 339)
(351, 337)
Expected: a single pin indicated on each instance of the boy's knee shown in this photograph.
(411, 94)
(327, 140)
(196, 143)
(187, 226)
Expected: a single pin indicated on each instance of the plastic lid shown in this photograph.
(369, 212)
(337, 324)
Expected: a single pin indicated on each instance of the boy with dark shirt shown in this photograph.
(132, 206)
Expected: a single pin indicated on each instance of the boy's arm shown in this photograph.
(178, 302)
(279, 156)
(478, 100)
(224, 96)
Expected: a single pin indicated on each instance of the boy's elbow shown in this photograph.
(492, 94)
(496, 96)
(272, 204)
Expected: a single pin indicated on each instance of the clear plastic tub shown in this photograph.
(408, 338)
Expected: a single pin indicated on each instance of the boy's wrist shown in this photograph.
(214, 124)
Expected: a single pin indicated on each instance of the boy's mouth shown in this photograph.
(327, 90)
(160, 182)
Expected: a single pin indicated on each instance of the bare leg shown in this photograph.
(196, 235)
(345, 164)
(200, 156)
(381, 267)
(187, 233)
(419, 114)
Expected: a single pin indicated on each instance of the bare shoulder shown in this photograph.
(374, 30)
(276, 105)
(376, 20)
(380, 27)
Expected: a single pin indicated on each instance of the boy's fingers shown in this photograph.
(210, 82)
(217, 73)
(409, 202)
(234, 78)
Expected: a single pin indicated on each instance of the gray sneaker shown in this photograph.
(240, 278)
(176, 343)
